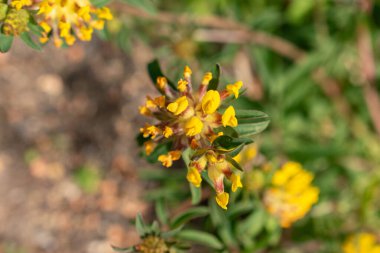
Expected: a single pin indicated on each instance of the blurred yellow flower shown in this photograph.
(291, 195)
(67, 20)
(361, 243)
(228, 118)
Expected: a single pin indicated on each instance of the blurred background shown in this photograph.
(68, 117)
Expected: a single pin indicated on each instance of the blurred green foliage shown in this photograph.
(319, 120)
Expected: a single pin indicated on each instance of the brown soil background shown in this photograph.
(70, 107)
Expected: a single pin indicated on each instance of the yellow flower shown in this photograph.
(222, 199)
(233, 89)
(150, 130)
(167, 160)
(247, 155)
(193, 126)
(18, 4)
(361, 243)
(228, 118)
(182, 85)
(207, 78)
(145, 111)
(162, 82)
(168, 132)
(178, 106)
(292, 194)
(236, 182)
(187, 72)
(149, 147)
(70, 19)
(194, 177)
(211, 102)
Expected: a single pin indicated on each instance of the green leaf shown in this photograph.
(155, 71)
(35, 28)
(254, 223)
(155, 228)
(171, 233)
(146, 5)
(25, 37)
(189, 214)
(233, 163)
(250, 115)
(236, 151)
(196, 194)
(100, 3)
(202, 238)
(239, 209)
(214, 83)
(140, 225)
(229, 143)
(125, 250)
(247, 130)
(161, 212)
(5, 42)
(217, 216)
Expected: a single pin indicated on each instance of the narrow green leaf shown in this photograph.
(246, 130)
(229, 143)
(171, 233)
(250, 114)
(214, 83)
(233, 163)
(140, 225)
(125, 250)
(189, 214)
(155, 71)
(25, 37)
(196, 194)
(202, 238)
(5, 42)
(161, 212)
(254, 223)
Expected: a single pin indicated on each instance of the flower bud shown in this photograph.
(16, 22)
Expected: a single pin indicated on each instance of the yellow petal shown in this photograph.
(222, 199)
(233, 89)
(193, 126)
(228, 117)
(236, 182)
(194, 177)
(178, 106)
(168, 132)
(210, 102)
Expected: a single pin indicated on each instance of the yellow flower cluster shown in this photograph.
(13, 18)
(67, 20)
(361, 243)
(291, 195)
(189, 119)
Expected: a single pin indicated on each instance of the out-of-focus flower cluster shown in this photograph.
(361, 243)
(287, 192)
(191, 119)
(291, 195)
(63, 20)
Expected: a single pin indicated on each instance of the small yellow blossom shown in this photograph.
(167, 160)
(178, 106)
(207, 78)
(292, 194)
(187, 72)
(145, 111)
(18, 4)
(194, 177)
(361, 243)
(168, 132)
(228, 118)
(150, 130)
(210, 102)
(236, 182)
(193, 126)
(149, 147)
(234, 89)
(161, 82)
(222, 199)
(182, 85)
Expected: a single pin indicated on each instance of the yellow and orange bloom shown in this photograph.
(190, 119)
(361, 243)
(291, 196)
(69, 20)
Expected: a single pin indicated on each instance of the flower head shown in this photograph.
(191, 119)
(69, 20)
(291, 195)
